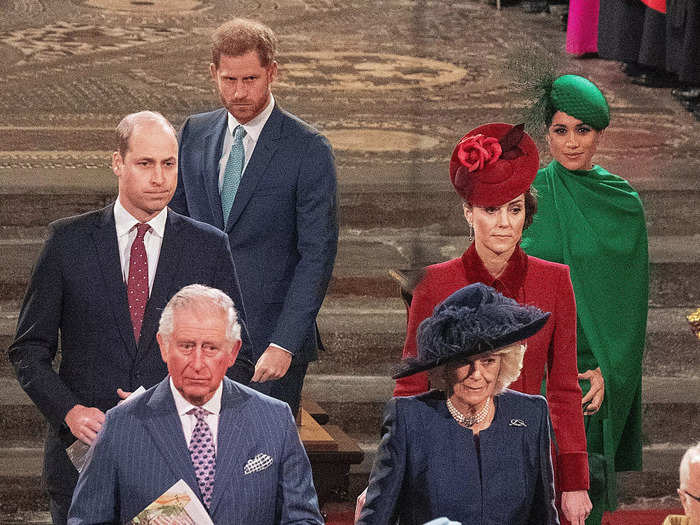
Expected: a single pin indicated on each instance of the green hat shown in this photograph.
(579, 97)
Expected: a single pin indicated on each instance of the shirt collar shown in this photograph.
(124, 221)
(213, 406)
(254, 126)
(510, 281)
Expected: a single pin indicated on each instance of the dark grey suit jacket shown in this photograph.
(77, 292)
(141, 452)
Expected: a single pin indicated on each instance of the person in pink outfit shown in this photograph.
(582, 27)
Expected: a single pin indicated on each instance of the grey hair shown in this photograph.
(692, 455)
(200, 296)
(126, 127)
(511, 364)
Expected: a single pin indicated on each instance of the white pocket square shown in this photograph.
(256, 464)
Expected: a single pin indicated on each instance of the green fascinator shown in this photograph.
(579, 97)
(535, 78)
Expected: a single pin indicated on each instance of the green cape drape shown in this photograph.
(593, 221)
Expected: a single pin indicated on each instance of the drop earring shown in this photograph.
(471, 232)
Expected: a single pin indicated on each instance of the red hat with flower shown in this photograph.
(493, 164)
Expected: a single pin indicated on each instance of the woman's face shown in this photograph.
(571, 142)
(497, 229)
(472, 382)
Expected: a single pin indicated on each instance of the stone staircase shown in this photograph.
(384, 226)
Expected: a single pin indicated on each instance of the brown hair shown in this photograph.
(530, 206)
(239, 36)
(126, 127)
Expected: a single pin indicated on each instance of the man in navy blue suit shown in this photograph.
(100, 283)
(237, 449)
(268, 180)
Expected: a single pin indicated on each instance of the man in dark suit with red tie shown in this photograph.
(99, 286)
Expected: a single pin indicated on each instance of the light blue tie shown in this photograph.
(233, 172)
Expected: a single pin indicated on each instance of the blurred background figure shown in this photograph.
(689, 490)
(582, 28)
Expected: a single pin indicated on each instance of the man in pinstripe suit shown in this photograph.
(237, 449)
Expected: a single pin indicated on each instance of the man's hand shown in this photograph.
(85, 422)
(272, 365)
(576, 506)
(596, 394)
(123, 395)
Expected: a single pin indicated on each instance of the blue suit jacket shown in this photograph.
(77, 289)
(283, 226)
(427, 465)
(141, 451)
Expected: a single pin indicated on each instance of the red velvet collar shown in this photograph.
(511, 280)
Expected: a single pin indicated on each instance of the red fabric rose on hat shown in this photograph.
(493, 164)
(478, 151)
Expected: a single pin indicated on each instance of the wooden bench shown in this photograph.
(331, 452)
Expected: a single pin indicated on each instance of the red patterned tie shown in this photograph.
(137, 285)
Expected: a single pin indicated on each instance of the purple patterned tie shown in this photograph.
(203, 454)
(137, 283)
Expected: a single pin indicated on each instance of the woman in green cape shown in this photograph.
(593, 221)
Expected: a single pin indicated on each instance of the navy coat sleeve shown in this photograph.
(36, 340)
(386, 480)
(317, 243)
(543, 509)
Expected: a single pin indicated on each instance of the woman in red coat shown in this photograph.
(492, 169)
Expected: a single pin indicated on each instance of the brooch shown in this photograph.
(517, 423)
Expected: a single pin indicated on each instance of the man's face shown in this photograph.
(690, 492)
(148, 171)
(197, 352)
(243, 84)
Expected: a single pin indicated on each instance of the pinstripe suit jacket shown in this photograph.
(141, 451)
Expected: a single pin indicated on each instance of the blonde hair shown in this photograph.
(511, 364)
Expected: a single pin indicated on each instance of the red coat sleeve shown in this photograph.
(421, 308)
(564, 393)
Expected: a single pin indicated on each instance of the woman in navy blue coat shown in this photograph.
(472, 451)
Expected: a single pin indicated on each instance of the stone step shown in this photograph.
(23, 501)
(392, 199)
(671, 406)
(366, 256)
(365, 336)
(658, 479)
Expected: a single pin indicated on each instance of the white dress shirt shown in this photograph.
(126, 234)
(252, 128)
(213, 406)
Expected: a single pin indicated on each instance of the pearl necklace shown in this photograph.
(469, 421)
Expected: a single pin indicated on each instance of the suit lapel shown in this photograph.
(265, 148)
(163, 423)
(169, 260)
(231, 443)
(105, 237)
(211, 153)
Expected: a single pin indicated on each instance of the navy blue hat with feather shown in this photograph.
(471, 321)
